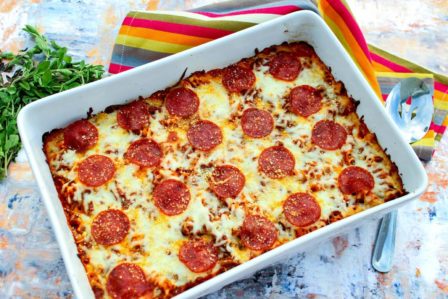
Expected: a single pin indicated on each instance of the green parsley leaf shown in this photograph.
(34, 73)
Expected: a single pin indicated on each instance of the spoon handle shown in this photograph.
(383, 252)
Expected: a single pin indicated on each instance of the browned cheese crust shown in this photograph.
(211, 212)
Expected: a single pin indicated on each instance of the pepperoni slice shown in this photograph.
(144, 152)
(127, 281)
(204, 135)
(198, 255)
(171, 197)
(236, 78)
(302, 49)
(276, 162)
(285, 66)
(305, 100)
(301, 209)
(257, 123)
(355, 180)
(80, 135)
(96, 170)
(182, 102)
(227, 181)
(258, 233)
(134, 116)
(328, 135)
(110, 227)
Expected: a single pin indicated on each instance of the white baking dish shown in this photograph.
(59, 110)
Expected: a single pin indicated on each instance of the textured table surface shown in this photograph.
(30, 262)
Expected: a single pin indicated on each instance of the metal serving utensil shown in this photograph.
(411, 108)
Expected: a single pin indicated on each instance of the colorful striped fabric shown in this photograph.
(147, 36)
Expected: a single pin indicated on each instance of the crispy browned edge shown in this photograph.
(70, 209)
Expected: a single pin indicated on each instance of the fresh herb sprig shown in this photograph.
(34, 73)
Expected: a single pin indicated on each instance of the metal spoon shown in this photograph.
(413, 119)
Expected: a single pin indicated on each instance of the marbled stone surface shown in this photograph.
(30, 262)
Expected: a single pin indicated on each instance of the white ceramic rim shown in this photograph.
(25, 128)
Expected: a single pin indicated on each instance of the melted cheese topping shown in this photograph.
(154, 239)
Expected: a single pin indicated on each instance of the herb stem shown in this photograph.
(31, 74)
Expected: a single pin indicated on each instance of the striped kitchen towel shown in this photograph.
(146, 36)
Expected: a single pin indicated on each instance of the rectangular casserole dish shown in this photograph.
(61, 109)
